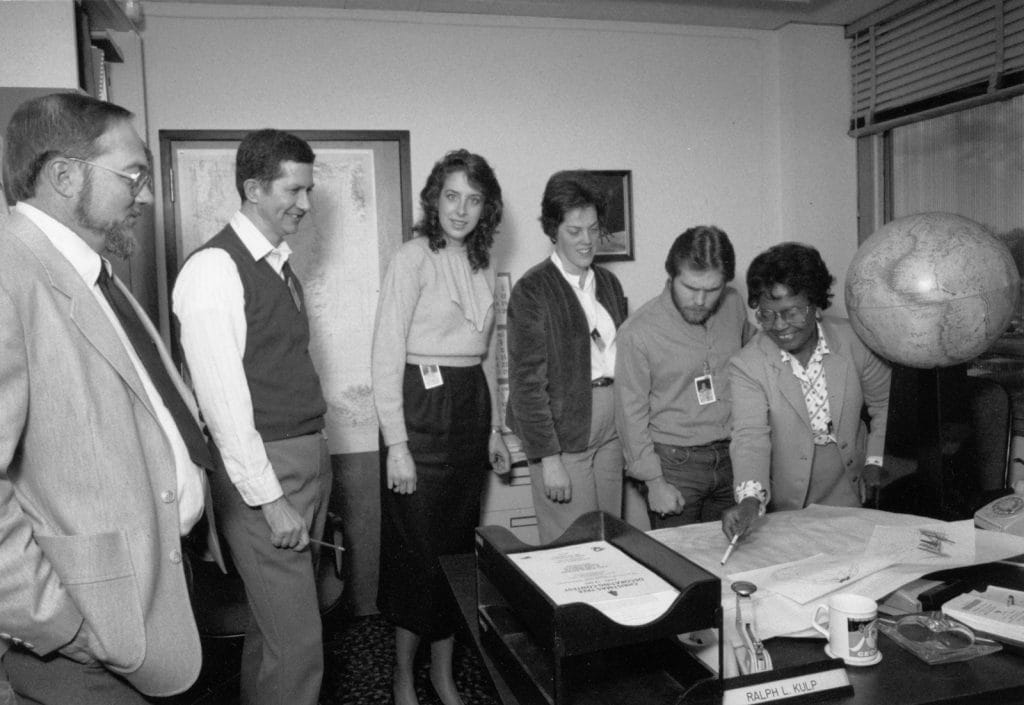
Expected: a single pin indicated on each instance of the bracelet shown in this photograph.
(397, 456)
(496, 429)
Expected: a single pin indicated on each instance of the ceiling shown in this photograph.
(752, 14)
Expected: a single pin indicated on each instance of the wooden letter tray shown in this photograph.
(572, 653)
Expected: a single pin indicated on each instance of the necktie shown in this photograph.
(293, 284)
(149, 354)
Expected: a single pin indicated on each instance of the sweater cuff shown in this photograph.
(646, 468)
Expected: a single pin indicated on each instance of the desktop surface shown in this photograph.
(899, 679)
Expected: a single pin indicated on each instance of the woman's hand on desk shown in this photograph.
(871, 478)
(737, 519)
(401, 469)
(557, 485)
(663, 497)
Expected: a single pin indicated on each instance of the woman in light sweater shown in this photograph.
(438, 410)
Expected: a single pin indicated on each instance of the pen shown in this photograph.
(732, 545)
(329, 545)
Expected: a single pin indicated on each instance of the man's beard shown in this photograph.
(118, 236)
(693, 316)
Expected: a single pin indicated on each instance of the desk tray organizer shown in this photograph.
(572, 653)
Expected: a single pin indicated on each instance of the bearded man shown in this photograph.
(102, 458)
(672, 400)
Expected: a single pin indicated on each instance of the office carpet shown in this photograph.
(359, 657)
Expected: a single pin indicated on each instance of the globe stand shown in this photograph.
(930, 466)
(928, 424)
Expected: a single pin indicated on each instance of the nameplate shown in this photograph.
(809, 683)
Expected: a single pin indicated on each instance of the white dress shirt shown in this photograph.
(209, 301)
(191, 479)
(602, 354)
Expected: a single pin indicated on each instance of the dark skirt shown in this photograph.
(448, 429)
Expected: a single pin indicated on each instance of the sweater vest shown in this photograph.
(286, 397)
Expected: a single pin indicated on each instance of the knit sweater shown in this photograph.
(433, 309)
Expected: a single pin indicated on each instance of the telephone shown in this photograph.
(1005, 514)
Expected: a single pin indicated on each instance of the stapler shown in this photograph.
(751, 654)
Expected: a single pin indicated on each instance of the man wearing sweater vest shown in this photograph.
(245, 336)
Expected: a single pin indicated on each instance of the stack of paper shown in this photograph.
(599, 574)
(997, 612)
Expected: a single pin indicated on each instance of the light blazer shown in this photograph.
(88, 509)
(772, 440)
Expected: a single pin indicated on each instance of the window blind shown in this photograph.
(912, 58)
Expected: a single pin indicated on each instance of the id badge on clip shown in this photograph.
(705, 387)
(431, 375)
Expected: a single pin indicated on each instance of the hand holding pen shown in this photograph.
(731, 546)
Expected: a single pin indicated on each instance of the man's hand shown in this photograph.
(78, 648)
(287, 529)
(737, 519)
(557, 485)
(401, 469)
(663, 497)
(497, 451)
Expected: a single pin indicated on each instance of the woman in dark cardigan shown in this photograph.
(562, 318)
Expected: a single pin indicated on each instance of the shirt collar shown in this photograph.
(820, 350)
(577, 281)
(257, 243)
(74, 249)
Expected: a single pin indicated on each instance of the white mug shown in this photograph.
(852, 629)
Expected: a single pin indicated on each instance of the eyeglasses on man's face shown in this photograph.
(136, 181)
(795, 316)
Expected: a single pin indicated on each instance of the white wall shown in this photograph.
(816, 164)
(37, 44)
(743, 129)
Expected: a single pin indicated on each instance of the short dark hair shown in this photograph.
(480, 176)
(566, 191)
(49, 126)
(701, 248)
(794, 265)
(261, 153)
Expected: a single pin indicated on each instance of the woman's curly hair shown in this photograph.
(480, 176)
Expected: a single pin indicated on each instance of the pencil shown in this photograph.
(728, 550)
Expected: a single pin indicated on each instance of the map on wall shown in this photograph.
(336, 256)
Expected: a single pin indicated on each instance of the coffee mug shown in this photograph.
(852, 629)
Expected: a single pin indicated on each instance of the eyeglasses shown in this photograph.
(794, 316)
(136, 182)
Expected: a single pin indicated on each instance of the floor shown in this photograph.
(359, 657)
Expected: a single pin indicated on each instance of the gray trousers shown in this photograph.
(282, 656)
(60, 681)
(596, 474)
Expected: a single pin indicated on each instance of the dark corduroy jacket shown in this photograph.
(549, 359)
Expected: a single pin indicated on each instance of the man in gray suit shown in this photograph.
(101, 453)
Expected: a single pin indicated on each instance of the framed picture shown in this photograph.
(360, 212)
(617, 243)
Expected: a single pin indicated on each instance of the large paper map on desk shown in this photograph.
(779, 552)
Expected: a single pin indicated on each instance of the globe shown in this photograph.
(931, 290)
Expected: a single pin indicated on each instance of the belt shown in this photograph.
(602, 382)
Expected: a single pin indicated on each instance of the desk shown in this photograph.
(900, 679)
